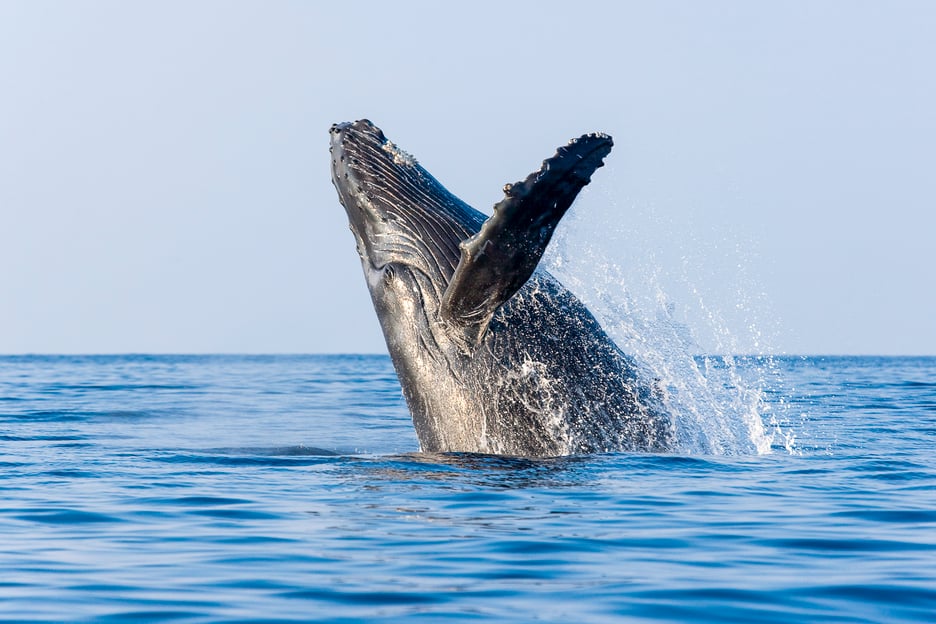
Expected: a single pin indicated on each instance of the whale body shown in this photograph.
(493, 354)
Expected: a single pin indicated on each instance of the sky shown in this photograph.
(165, 185)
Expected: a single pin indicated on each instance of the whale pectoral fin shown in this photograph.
(497, 261)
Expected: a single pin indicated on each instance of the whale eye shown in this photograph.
(388, 274)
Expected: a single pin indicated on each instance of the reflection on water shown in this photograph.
(484, 470)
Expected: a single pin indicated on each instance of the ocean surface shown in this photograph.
(290, 488)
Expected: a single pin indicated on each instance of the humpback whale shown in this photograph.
(493, 354)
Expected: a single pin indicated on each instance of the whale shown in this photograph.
(493, 354)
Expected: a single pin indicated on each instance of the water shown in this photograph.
(288, 488)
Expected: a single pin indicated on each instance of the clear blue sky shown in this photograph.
(164, 179)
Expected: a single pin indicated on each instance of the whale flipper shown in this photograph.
(497, 261)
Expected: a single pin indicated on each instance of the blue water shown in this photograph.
(281, 488)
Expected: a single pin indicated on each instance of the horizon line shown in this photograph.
(385, 354)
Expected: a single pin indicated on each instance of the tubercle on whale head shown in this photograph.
(364, 134)
(349, 142)
(347, 138)
(361, 125)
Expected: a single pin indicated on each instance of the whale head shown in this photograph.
(401, 217)
(407, 228)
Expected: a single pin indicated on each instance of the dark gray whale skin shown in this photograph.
(493, 354)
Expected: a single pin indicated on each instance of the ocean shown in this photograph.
(290, 488)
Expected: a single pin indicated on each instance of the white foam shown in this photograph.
(718, 402)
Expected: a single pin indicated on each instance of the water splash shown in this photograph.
(652, 304)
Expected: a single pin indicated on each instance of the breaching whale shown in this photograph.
(493, 354)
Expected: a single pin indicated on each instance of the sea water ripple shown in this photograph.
(289, 488)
